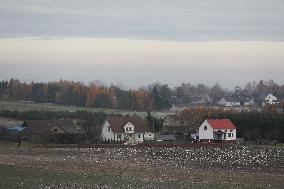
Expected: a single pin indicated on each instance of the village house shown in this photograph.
(205, 100)
(270, 99)
(130, 130)
(217, 130)
(182, 133)
(234, 101)
(230, 101)
(55, 130)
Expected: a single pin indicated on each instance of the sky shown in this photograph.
(134, 43)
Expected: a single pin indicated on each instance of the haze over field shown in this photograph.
(140, 42)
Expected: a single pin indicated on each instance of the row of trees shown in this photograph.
(76, 93)
(153, 97)
(255, 90)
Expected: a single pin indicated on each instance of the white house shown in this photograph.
(229, 102)
(270, 99)
(130, 130)
(217, 130)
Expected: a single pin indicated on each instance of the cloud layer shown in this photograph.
(140, 19)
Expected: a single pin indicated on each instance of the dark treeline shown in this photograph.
(153, 97)
(252, 126)
(253, 90)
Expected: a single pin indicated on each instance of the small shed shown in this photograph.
(160, 138)
(15, 130)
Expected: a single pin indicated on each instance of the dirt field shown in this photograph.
(143, 167)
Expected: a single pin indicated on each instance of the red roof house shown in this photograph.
(217, 130)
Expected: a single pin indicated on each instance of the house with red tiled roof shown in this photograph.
(130, 130)
(217, 130)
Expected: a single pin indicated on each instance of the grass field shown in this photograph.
(142, 167)
(25, 106)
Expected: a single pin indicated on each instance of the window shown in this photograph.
(205, 127)
(225, 131)
(119, 136)
(229, 134)
(55, 130)
(129, 129)
(108, 128)
(139, 136)
(232, 134)
(231, 130)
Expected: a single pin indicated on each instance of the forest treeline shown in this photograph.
(153, 97)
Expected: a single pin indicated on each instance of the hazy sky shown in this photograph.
(137, 42)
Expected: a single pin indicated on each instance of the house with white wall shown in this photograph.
(130, 130)
(229, 102)
(270, 99)
(217, 130)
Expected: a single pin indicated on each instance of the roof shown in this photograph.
(235, 98)
(14, 130)
(44, 126)
(271, 96)
(117, 124)
(263, 96)
(38, 126)
(221, 124)
(67, 125)
(202, 100)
